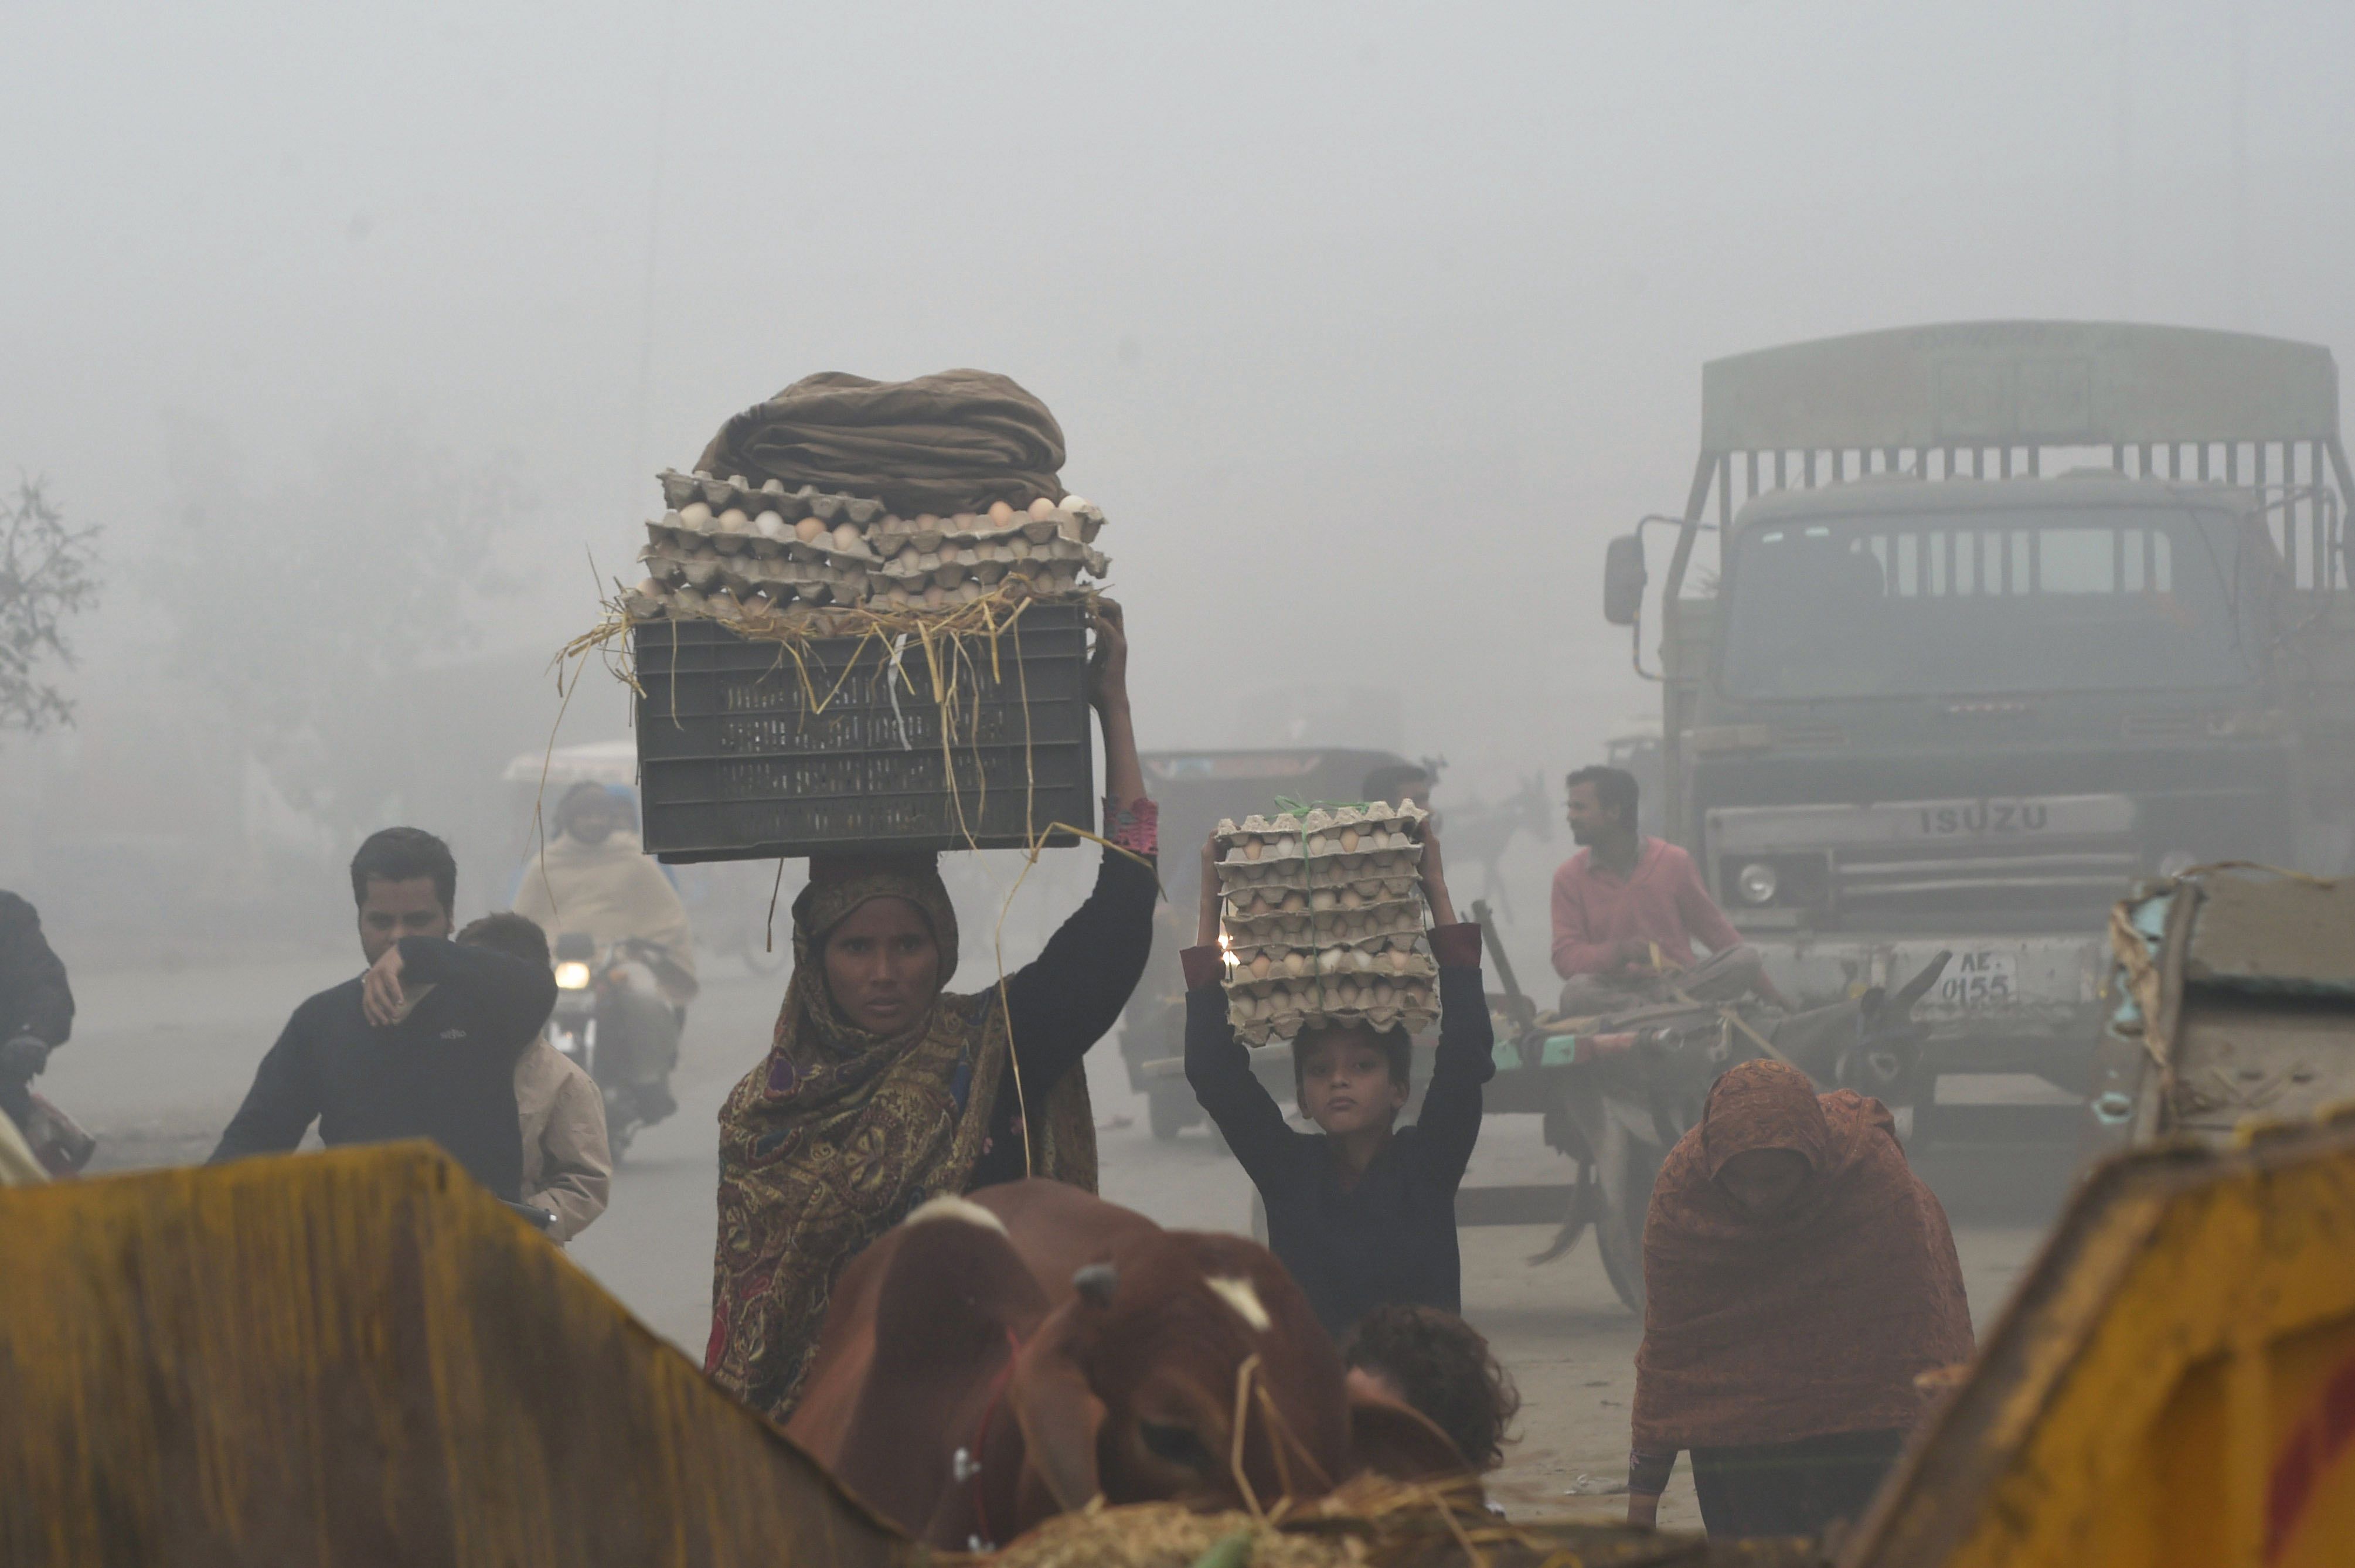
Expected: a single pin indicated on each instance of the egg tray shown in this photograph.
(1075, 521)
(1322, 834)
(1365, 870)
(1397, 965)
(674, 533)
(1373, 924)
(1245, 900)
(905, 595)
(1282, 1013)
(950, 561)
(681, 490)
(708, 571)
(1073, 515)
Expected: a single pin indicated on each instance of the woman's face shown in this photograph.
(883, 967)
(1764, 1180)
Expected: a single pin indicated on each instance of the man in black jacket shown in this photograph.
(422, 1045)
(36, 1006)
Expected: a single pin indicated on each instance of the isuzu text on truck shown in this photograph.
(1964, 628)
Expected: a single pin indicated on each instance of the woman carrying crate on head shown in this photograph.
(880, 1090)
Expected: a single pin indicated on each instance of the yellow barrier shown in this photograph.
(359, 1357)
(2173, 1383)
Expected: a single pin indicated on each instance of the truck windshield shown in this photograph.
(1975, 602)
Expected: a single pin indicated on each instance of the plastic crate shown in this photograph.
(734, 765)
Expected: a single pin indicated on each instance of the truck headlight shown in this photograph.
(1757, 883)
(572, 975)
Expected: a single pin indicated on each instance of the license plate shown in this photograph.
(1980, 979)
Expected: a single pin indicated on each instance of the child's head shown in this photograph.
(516, 935)
(1351, 1077)
(1439, 1366)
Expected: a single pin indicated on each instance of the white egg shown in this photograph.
(696, 515)
(772, 526)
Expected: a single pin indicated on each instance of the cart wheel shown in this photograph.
(1169, 1111)
(1626, 1168)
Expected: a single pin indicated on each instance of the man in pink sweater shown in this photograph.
(1628, 910)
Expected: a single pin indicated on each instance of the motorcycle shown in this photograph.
(1640, 1077)
(612, 1022)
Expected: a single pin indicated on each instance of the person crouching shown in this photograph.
(1798, 1278)
(1361, 1211)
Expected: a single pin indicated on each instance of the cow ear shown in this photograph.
(1400, 1444)
(1059, 1413)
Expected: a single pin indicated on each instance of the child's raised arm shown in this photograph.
(1450, 1122)
(1218, 1065)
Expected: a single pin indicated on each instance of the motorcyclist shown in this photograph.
(36, 1006)
(595, 879)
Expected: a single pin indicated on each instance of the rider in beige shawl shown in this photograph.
(595, 877)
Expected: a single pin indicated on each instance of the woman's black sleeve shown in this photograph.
(1070, 996)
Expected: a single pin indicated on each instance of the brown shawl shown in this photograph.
(1808, 1322)
(954, 441)
(834, 1136)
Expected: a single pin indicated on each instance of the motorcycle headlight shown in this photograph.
(572, 975)
(1757, 883)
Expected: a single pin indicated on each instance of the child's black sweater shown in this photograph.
(1391, 1238)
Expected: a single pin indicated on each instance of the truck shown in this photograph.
(1964, 628)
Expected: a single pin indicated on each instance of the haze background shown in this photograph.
(1367, 324)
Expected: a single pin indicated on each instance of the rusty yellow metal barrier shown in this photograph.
(359, 1357)
(2173, 1383)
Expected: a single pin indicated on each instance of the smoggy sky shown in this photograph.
(1367, 325)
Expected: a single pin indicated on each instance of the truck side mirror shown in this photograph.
(1623, 580)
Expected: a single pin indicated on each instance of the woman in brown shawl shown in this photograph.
(879, 1091)
(1797, 1278)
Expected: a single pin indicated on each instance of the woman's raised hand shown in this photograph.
(1108, 693)
(1108, 668)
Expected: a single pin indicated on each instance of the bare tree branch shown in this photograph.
(48, 574)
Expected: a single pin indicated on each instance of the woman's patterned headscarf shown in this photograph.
(835, 1136)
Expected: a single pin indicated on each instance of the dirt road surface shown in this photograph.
(159, 1061)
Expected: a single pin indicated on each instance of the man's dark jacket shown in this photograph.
(446, 1071)
(34, 997)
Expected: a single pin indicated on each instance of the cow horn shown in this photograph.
(1096, 1283)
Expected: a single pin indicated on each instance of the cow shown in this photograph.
(999, 1358)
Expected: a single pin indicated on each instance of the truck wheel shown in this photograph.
(1169, 1114)
(1627, 1167)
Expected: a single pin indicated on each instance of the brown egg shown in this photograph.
(808, 530)
(1000, 514)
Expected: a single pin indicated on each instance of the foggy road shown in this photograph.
(159, 1059)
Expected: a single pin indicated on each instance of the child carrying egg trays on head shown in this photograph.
(1361, 1211)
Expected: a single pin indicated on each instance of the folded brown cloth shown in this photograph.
(955, 442)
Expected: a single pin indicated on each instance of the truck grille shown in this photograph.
(1871, 880)
(2020, 855)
